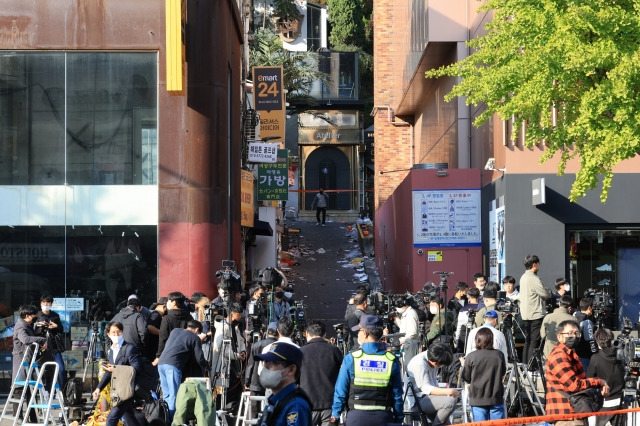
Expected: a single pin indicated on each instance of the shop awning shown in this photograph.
(261, 227)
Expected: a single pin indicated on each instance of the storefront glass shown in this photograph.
(82, 118)
(605, 264)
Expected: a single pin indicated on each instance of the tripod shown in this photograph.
(443, 288)
(520, 390)
(93, 353)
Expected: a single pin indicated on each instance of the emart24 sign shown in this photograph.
(273, 178)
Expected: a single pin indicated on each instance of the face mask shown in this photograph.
(399, 310)
(434, 311)
(567, 288)
(571, 342)
(279, 294)
(234, 323)
(270, 378)
(221, 293)
(45, 308)
(117, 340)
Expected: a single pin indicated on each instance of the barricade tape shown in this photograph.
(550, 418)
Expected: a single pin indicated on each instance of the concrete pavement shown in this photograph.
(324, 275)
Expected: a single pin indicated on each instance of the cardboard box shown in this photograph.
(74, 360)
(79, 333)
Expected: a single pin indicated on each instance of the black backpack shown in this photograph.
(72, 392)
(156, 409)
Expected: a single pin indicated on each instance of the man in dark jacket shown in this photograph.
(319, 371)
(135, 326)
(50, 322)
(251, 375)
(177, 317)
(183, 349)
(23, 336)
(120, 353)
(606, 365)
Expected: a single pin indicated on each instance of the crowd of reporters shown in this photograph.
(260, 341)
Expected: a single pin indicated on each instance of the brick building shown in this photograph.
(522, 207)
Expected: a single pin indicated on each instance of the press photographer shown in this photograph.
(407, 322)
(466, 318)
(48, 324)
(608, 366)
(490, 300)
(587, 346)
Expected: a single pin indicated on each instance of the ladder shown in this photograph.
(47, 404)
(244, 410)
(25, 379)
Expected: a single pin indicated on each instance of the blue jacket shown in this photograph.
(296, 413)
(128, 355)
(346, 375)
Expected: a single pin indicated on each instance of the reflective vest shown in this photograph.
(370, 388)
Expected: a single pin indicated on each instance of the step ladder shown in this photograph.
(46, 402)
(25, 379)
(244, 410)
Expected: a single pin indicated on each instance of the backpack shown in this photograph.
(156, 409)
(72, 392)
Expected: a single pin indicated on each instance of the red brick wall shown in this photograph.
(392, 144)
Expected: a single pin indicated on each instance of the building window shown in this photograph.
(81, 118)
(314, 33)
(604, 264)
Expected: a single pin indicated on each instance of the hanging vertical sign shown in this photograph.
(268, 96)
(273, 179)
(246, 198)
(175, 45)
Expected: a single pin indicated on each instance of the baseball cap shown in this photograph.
(490, 314)
(282, 352)
(368, 321)
(133, 301)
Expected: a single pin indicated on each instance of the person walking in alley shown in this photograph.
(320, 204)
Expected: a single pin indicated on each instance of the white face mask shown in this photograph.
(45, 308)
(434, 311)
(117, 340)
(399, 310)
(567, 287)
(221, 293)
(270, 378)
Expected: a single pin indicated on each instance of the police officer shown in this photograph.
(370, 381)
(288, 405)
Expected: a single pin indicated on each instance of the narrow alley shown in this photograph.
(327, 267)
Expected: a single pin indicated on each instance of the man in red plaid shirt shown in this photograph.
(564, 373)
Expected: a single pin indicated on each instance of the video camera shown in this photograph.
(506, 305)
(628, 348)
(228, 277)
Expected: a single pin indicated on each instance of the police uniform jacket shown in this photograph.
(347, 374)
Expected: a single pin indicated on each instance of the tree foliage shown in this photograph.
(577, 57)
(347, 23)
(299, 69)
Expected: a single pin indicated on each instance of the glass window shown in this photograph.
(314, 41)
(85, 118)
(604, 265)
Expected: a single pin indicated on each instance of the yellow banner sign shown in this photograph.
(246, 198)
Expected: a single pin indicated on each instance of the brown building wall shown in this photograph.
(390, 45)
(197, 132)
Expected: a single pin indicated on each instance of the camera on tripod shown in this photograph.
(628, 348)
(506, 305)
(228, 277)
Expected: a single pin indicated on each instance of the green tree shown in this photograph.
(579, 58)
(299, 69)
(347, 23)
